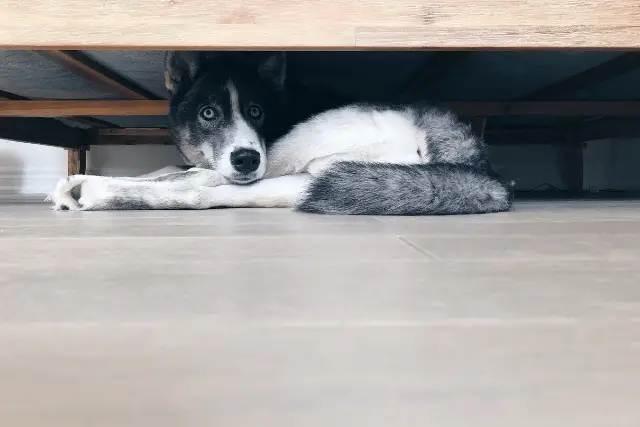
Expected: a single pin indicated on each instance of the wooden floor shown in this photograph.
(269, 318)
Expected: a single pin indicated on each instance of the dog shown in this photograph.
(231, 119)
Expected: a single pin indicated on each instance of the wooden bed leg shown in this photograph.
(478, 124)
(76, 161)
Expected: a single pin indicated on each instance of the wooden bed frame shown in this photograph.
(56, 29)
(313, 24)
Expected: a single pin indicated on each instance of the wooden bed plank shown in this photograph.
(583, 37)
(96, 73)
(85, 121)
(48, 108)
(64, 108)
(447, 24)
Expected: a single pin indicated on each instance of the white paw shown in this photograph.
(79, 193)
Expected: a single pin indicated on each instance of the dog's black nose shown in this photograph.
(245, 160)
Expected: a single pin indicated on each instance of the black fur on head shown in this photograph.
(180, 70)
(221, 102)
(183, 67)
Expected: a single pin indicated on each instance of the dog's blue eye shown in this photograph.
(208, 113)
(255, 112)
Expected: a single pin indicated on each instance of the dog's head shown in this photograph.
(226, 108)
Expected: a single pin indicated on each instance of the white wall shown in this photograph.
(29, 171)
(131, 160)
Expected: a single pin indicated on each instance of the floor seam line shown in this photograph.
(419, 249)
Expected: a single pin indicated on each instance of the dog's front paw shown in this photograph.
(79, 193)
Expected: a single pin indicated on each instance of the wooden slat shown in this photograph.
(619, 65)
(97, 74)
(48, 108)
(437, 24)
(86, 121)
(43, 131)
(65, 108)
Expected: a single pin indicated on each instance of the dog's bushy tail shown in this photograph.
(356, 188)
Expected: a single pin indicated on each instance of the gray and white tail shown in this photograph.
(356, 188)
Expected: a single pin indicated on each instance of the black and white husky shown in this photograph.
(233, 122)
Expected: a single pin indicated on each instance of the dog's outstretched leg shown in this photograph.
(90, 192)
(112, 194)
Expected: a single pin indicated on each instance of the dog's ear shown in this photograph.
(180, 69)
(274, 68)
